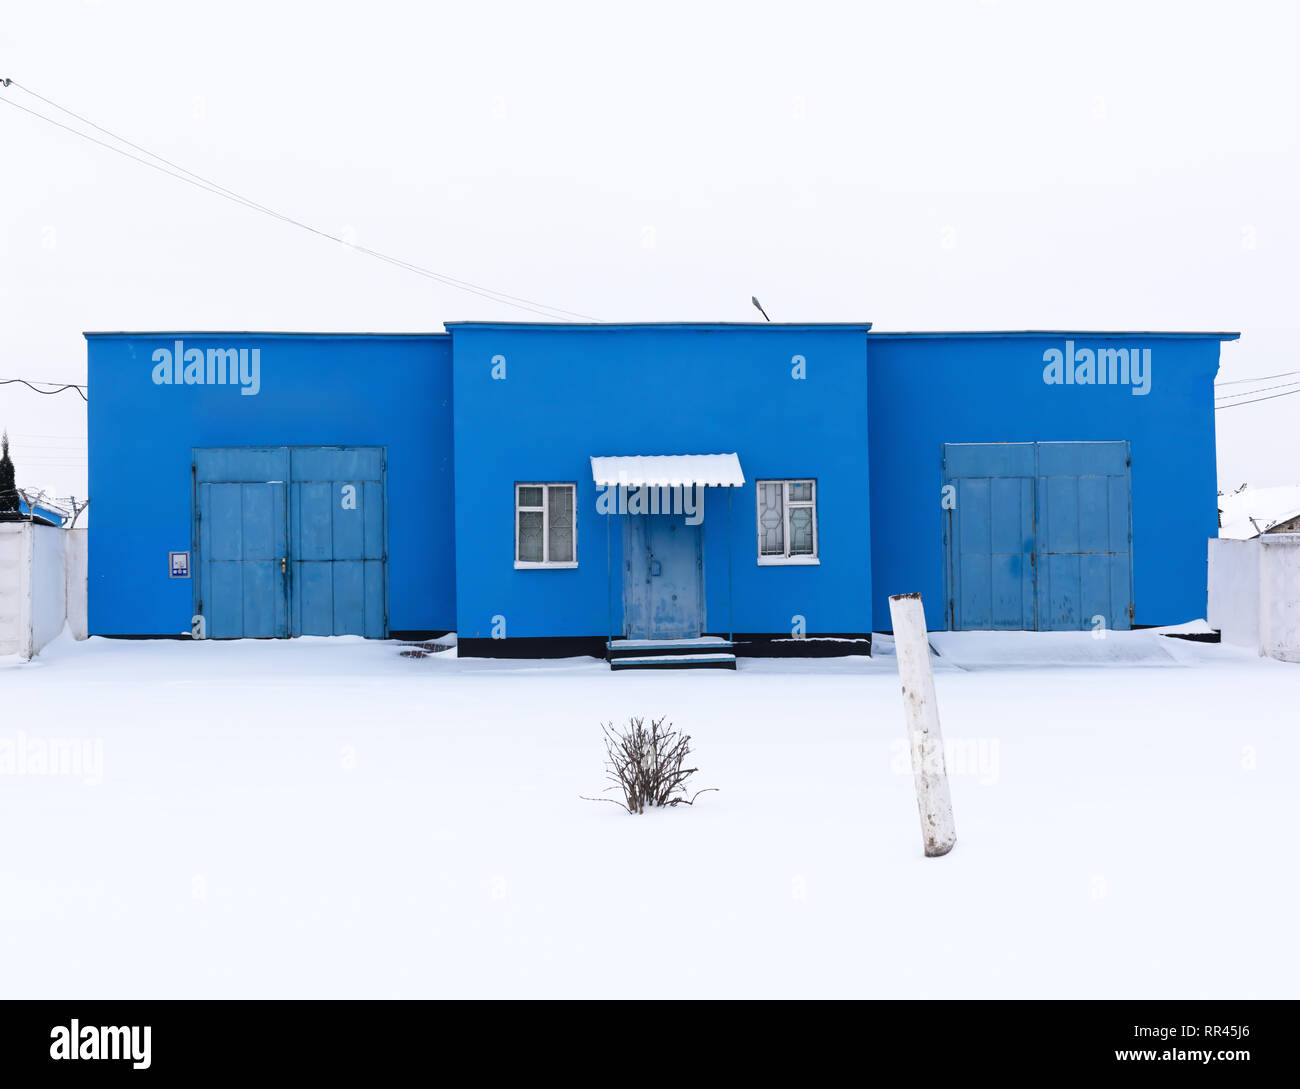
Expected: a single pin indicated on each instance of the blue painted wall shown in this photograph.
(315, 390)
(927, 390)
(570, 393)
(868, 422)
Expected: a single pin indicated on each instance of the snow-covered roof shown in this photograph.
(1253, 511)
(669, 470)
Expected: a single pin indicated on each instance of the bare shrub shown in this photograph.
(645, 764)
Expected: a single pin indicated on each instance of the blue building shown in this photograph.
(642, 491)
(271, 484)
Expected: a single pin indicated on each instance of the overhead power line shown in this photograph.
(1270, 397)
(180, 173)
(47, 392)
(1261, 378)
(1252, 392)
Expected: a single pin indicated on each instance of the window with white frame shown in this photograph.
(545, 525)
(787, 521)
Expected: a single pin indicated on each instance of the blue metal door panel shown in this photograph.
(313, 598)
(242, 464)
(663, 591)
(242, 559)
(1039, 535)
(636, 578)
(989, 459)
(990, 530)
(1085, 556)
(338, 541)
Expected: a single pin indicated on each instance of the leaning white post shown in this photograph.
(926, 742)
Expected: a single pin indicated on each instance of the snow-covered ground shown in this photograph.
(326, 818)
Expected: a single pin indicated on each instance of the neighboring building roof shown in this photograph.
(1252, 511)
(40, 513)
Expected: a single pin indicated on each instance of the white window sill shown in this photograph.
(788, 561)
(545, 566)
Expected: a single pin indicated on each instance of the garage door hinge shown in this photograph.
(1130, 611)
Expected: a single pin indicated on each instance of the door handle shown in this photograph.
(282, 565)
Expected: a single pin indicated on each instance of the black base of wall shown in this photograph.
(174, 635)
(567, 646)
(1196, 636)
(1190, 636)
(783, 645)
(409, 636)
(747, 645)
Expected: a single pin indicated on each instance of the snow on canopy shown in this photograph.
(669, 470)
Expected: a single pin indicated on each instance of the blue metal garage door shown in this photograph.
(290, 541)
(1037, 536)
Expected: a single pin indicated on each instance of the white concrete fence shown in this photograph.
(42, 585)
(1255, 593)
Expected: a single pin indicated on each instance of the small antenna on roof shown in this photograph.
(759, 307)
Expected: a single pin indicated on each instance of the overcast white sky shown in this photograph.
(981, 164)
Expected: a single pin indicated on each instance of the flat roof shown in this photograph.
(912, 334)
(569, 326)
(256, 333)
(1095, 334)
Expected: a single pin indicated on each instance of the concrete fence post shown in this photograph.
(912, 645)
(26, 637)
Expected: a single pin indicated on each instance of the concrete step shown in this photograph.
(675, 660)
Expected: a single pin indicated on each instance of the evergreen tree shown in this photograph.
(9, 508)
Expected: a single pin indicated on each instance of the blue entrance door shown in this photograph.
(1037, 536)
(663, 578)
(337, 541)
(290, 541)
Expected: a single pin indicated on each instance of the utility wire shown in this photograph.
(1261, 378)
(1252, 392)
(46, 392)
(197, 180)
(53, 382)
(1270, 397)
(217, 190)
